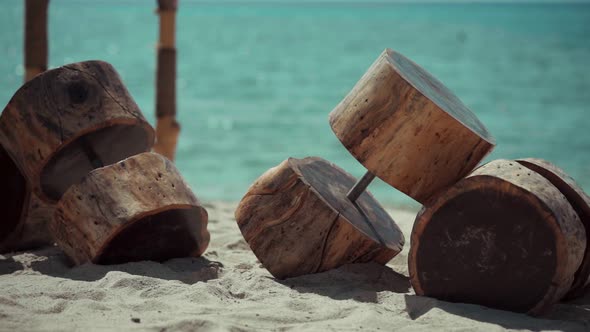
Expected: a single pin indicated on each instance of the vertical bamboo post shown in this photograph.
(35, 37)
(167, 129)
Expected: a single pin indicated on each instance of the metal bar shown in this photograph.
(360, 186)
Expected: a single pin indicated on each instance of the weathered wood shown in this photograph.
(581, 204)
(503, 237)
(51, 121)
(408, 129)
(167, 128)
(14, 201)
(35, 37)
(137, 209)
(297, 220)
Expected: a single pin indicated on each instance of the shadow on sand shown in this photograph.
(570, 316)
(360, 282)
(52, 262)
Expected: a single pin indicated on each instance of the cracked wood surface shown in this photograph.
(504, 237)
(297, 220)
(408, 129)
(41, 125)
(137, 209)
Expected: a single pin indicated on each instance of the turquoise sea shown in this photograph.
(256, 80)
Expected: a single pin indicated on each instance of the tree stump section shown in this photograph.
(581, 204)
(504, 237)
(68, 121)
(408, 129)
(297, 220)
(137, 209)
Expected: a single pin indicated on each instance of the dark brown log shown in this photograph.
(14, 200)
(581, 204)
(504, 237)
(67, 121)
(297, 220)
(137, 209)
(408, 129)
(35, 37)
(167, 128)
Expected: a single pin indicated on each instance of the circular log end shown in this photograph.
(486, 247)
(433, 89)
(297, 220)
(13, 197)
(158, 237)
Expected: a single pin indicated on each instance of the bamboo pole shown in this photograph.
(167, 129)
(35, 37)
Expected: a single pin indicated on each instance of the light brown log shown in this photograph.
(581, 204)
(68, 121)
(297, 220)
(167, 128)
(408, 129)
(137, 209)
(35, 37)
(504, 237)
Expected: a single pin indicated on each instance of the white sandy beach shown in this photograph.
(228, 290)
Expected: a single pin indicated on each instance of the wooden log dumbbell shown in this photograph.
(504, 237)
(408, 129)
(297, 220)
(137, 209)
(55, 129)
(68, 121)
(404, 126)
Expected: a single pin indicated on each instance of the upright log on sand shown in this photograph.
(35, 37)
(167, 129)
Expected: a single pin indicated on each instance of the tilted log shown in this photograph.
(68, 121)
(581, 204)
(503, 237)
(297, 220)
(137, 209)
(408, 129)
(36, 48)
(167, 128)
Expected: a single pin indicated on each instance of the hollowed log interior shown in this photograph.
(96, 149)
(158, 237)
(488, 247)
(13, 195)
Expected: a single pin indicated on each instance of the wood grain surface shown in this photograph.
(408, 129)
(297, 220)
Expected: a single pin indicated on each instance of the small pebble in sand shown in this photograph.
(136, 320)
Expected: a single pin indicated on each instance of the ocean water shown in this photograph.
(256, 80)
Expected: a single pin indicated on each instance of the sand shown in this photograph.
(228, 290)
